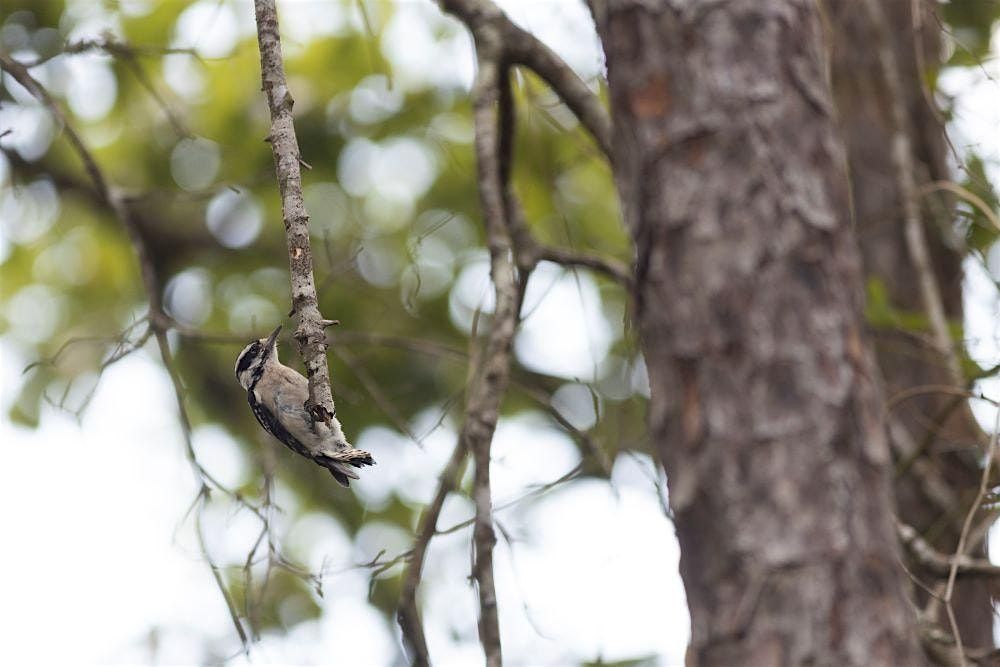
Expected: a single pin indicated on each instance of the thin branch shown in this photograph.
(129, 54)
(905, 172)
(526, 49)
(217, 576)
(964, 193)
(492, 374)
(535, 491)
(499, 43)
(924, 389)
(417, 345)
(519, 47)
(935, 562)
(911, 461)
(612, 268)
(407, 614)
(109, 198)
(310, 334)
(984, 486)
(140, 74)
(112, 47)
(371, 385)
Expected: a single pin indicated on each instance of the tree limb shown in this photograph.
(407, 614)
(492, 375)
(310, 334)
(941, 564)
(491, 378)
(519, 47)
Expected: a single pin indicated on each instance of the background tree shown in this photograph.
(402, 256)
(764, 405)
(913, 254)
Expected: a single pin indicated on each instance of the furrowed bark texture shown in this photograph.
(935, 436)
(765, 408)
(310, 333)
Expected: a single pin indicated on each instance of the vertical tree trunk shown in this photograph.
(934, 487)
(764, 408)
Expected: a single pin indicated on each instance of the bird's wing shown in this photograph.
(271, 424)
(339, 466)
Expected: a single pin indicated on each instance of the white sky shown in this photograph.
(98, 555)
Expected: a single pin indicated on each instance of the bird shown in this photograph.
(277, 396)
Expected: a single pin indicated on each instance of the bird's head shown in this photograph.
(250, 364)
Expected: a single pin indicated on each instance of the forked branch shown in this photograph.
(519, 47)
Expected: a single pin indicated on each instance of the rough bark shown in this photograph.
(310, 334)
(765, 407)
(935, 434)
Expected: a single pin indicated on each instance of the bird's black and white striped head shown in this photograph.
(254, 357)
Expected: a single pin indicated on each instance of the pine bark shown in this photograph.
(765, 406)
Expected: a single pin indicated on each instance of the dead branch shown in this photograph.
(310, 334)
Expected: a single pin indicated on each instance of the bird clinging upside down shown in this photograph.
(277, 396)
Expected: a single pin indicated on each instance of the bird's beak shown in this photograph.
(273, 337)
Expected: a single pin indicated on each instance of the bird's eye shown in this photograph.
(248, 357)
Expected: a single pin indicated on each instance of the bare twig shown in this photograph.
(310, 333)
(492, 374)
(611, 268)
(499, 44)
(525, 49)
(140, 74)
(964, 535)
(371, 385)
(924, 389)
(492, 371)
(911, 461)
(935, 562)
(407, 614)
(112, 47)
(417, 345)
(519, 47)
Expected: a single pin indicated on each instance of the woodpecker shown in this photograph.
(277, 396)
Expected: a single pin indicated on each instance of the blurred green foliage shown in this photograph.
(395, 221)
(386, 255)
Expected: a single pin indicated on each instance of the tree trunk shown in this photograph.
(934, 487)
(765, 409)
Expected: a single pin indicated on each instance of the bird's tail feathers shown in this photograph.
(339, 464)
